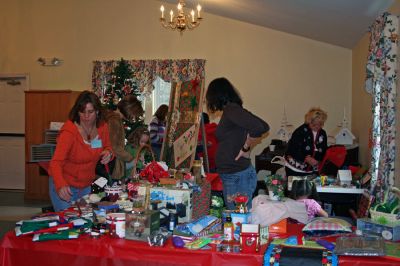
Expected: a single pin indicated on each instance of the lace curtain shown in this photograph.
(381, 83)
(146, 71)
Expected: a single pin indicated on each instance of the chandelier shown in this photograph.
(181, 21)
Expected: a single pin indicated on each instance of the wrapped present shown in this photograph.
(201, 200)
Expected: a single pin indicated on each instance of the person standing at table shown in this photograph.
(237, 132)
(308, 144)
(129, 108)
(83, 141)
(157, 129)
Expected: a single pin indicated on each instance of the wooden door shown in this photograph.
(41, 108)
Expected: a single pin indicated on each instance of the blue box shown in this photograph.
(369, 227)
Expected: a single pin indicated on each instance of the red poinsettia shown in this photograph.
(241, 199)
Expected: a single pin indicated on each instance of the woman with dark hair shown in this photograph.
(129, 108)
(237, 132)
(83, 140)
(157, 129)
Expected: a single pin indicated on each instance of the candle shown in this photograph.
(179, 6)
(172, 14)
(162, 11)
(198, 10)
(192, 13)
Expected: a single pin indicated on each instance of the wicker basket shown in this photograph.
(385, 218)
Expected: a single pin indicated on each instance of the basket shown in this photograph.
(142, 148)
(385, 218)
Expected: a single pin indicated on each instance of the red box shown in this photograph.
(250, 238)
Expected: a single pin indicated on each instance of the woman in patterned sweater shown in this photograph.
(157, 129)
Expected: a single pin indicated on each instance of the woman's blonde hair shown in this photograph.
(315, 114)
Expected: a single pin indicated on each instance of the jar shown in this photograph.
(116, 224)
(196, 169)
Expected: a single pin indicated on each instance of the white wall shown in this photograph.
(271, 69)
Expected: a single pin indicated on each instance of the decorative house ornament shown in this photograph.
(285, 131)
(342, 135)
(181, 21)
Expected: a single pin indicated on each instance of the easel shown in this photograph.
(204, 140)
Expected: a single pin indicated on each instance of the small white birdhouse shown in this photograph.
(343, 136)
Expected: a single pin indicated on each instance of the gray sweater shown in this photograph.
(236, 122)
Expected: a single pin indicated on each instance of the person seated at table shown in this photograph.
(306, 192)
(212, 142)
(83, 141)
(308, 144)
(157, 129)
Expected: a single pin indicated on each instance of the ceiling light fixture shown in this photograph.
(49, 61)
(181, 21)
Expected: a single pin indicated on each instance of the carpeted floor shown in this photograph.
(14, 208)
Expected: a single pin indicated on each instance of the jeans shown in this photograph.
(60, 204)
(243, 182)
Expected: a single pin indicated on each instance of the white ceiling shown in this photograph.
(338, 22)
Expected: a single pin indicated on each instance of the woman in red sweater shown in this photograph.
(82, 142)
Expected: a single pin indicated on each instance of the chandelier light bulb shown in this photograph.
(198, 10)
(182, 20)
(162, 11)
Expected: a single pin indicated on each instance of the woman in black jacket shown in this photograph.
(307, 146)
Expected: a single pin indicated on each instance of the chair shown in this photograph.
(363, 206)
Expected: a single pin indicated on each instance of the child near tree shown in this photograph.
(136, 140)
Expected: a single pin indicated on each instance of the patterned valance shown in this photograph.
(146, 71)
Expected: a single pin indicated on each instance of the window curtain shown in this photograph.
(381, 83)
(146, 71)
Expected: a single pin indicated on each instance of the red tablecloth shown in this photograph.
(109, 251)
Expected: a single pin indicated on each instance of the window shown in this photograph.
(160, 94)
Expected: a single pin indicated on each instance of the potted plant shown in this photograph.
(275, 186)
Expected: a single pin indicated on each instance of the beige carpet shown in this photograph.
(16, 213)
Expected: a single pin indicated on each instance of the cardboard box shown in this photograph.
(140, 226)
(180, 200)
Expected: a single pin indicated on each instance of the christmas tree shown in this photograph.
(120, 85)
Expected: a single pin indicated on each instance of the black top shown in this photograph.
(236, 122)
(302, 144)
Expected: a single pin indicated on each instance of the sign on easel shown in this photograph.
(183, 123)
